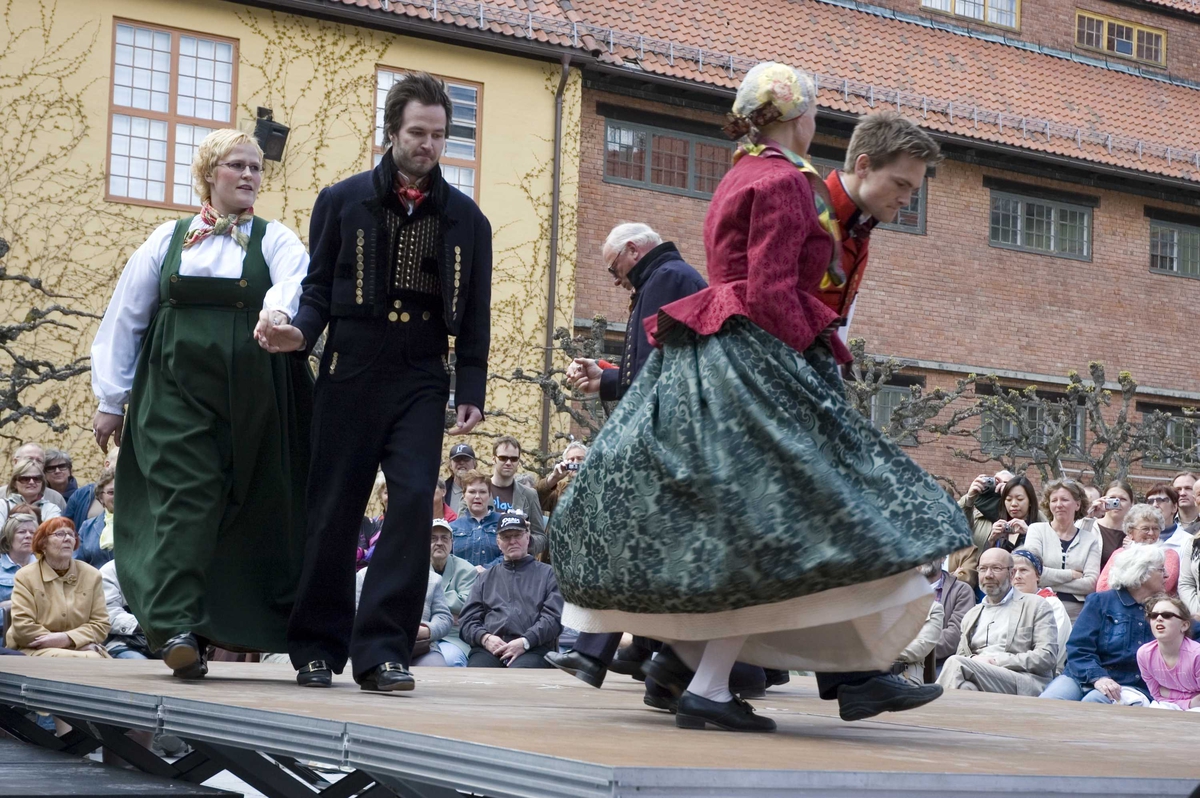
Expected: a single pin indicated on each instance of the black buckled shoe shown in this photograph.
(884, 693)
(315, 674)
(736, 715)
(659, 697)
(182, 653)
(390, 677)
(584, 668)
(669, 671)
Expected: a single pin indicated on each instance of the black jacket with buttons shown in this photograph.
(351, 264)
(661, 277)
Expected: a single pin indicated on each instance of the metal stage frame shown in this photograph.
(268, 749)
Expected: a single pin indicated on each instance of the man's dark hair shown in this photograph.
(419, 87)
(506, 440)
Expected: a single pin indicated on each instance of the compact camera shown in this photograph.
(1112, 503)
(573, 466)
(989, 483)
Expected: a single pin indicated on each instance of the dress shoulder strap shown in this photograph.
(170, 264)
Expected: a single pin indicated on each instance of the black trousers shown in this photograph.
(828, 683)
(384, 405)
(602, 646)
(480, 657)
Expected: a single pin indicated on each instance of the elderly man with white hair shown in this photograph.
(641, 262)
(1102, 649)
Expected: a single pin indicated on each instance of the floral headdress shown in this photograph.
(770, 92)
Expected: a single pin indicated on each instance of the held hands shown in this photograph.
(493, 644)
(977, 486)
(1097, 509)
(53, 640)
(275, 334)
(512, 650)
(584, 375)
(1109, 688)
(557, 475)
(105, 426)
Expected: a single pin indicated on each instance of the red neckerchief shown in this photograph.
(854, 223)
(411, 194)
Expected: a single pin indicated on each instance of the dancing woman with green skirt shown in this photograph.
(209, 530)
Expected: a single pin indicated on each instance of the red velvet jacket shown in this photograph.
(766, 255)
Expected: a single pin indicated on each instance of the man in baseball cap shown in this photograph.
(462, 460)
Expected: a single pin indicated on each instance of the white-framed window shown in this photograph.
(1174, 248)
(1038, 225)
(169, 89)
(460, 158)
(1004, 13)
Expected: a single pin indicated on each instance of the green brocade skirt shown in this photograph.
(736, 492)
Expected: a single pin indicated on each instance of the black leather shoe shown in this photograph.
(776, 678)
(315, 674)
(182, 652)
(659, 698)
(197, 670)
(753, 691)
(883, 694)
(736, 715)
(629, 661)
(390, 677)
(584, 668)
(669, 671)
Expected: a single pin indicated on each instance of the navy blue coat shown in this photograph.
(659, 278)
(1105, 639)
(89, 550)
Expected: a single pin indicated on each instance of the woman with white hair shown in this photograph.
(1102, 649)
(735, 505)
(1143, 526)
(213, 430)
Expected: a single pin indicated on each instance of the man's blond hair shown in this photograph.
(885, 136)
(212, 151)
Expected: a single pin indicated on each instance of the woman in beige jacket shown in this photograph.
(1189, 575)
(58, 607)
(1071, 555)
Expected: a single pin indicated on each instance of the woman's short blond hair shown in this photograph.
(217, 145)
(26, 467)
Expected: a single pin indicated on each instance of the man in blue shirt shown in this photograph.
(475, 530)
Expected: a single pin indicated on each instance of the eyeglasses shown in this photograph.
(988, 569)
(1158, 499)
(29, 480)
(239, 167)
(109, 492)
(59, 467)
(1147, 530)
(506, 459)
(63, 534)
(1154, 616)
(611, 267)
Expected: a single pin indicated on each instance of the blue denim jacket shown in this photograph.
(475, 541)
(89, 549)
(8, 572)
(1105, 639)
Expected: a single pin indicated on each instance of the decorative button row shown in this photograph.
(358, 257)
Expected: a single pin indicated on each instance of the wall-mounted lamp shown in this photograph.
(271, 135)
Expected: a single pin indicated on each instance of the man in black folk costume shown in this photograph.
(400, 260)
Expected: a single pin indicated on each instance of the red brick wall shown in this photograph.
(1052, 23)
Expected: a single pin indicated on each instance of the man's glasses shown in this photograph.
(505, 459)
(993, 569)
(1154, 616)
(239, 167)
(1158, 499)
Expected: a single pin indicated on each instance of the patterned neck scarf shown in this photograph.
(411, 194)
(214, 224)
(835, 276)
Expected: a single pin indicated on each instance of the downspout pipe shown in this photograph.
(555, 191)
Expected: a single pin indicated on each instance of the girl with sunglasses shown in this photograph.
(1170, 663)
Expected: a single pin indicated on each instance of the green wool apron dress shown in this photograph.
(209, 523)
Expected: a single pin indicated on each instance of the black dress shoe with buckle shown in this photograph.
(315, 674)
(883, 694)
(182, 653)
(669, 671)
(584, 668)
(695, 712)
(390, 677)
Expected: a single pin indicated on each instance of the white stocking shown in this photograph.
(712, 676)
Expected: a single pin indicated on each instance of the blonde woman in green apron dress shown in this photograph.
(213, 430)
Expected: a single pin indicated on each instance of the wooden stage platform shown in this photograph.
(543, 733)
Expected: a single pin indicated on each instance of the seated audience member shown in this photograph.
(475, 529)
(96, 536)
(435, 620)
(956, 597)
(1165, 499)
(440, 508)
(1170, 663)
(1143, 525)
(59, 476)
(550, 488)
(368, 531)
(1009, 640)
(1189, 575)
(458, 577)
(1018, 509)
(1027, 570)
(35, 452)
(1106, 515)
(125, 637)
(28, 486)
(58, 605)
(982, 504)
(83, 503)
(509, 493)
(910, 664)
(462, 462)
(1188, 518)
(514, 614)
(1070, 554)
(1102, 651)
(16, 548)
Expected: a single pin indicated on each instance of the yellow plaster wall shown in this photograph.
(319, 78)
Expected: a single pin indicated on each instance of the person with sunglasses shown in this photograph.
(28, 486)
(213, 430)
(509, 494)
(1170, 663)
